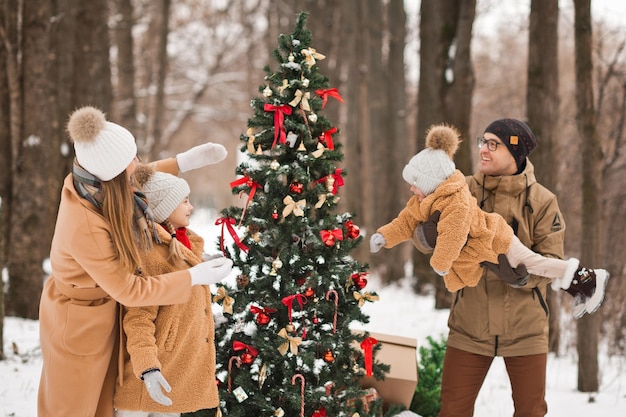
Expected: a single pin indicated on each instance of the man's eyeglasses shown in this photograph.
(492, 145)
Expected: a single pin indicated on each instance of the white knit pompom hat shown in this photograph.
(103, 148)
(163, 191)
(433, 165)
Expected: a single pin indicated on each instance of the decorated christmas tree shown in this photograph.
(287, 348)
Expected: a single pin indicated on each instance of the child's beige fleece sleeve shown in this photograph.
(402, 227)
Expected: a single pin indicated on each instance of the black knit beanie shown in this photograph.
(517, 137)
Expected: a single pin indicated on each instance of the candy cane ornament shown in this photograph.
(230, 367)
(293, 382)
(328, 294)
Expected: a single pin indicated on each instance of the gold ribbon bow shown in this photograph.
(297, 207)
(303, 99)
(366, 296)
(290, 344)
(283, 86)
(320, 150)
(227, 305)
(310, 55)
(322, 199)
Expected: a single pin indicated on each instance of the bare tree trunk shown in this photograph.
(146, 62)
(37, 131)
(445, 89)
(542, 104)
(126, 103)
(379, 144)
(352, 82)
(591, 152)
(430, 108)
(161, 74)
(64, 43)
(29, 207)
(460, 83)
(9, 100)
(397, 140)
(92, 83)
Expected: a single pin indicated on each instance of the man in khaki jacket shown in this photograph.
(495, 318)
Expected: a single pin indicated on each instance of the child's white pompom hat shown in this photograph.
(103, 148)
(163, 191)
(433, 165)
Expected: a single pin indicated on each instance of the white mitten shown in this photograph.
(154, 381)
(210, 272)
(377, 241)
(210, 257)
(201, 155)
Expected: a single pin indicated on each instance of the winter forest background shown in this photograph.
(181, 73)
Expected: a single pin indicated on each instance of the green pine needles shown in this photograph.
(288, 348)
(427, 399)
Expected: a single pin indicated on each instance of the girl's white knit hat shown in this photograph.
(163, 191)
(433, 165)
(103, 148)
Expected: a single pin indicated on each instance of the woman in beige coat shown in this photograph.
(174, 344)
(102, 226)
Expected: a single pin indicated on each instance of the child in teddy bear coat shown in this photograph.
(466, 235)
(171, 347)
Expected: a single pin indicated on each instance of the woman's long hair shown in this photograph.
(118, 208)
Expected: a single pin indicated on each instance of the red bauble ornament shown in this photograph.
(309, 292)
(329, 241)
(263, 318)
(353, 230)
(247, 358)
(359, 280)
(275, 214)
(300, 281)
(320, 412)
(296, 187)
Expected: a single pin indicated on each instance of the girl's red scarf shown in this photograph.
(181, 236)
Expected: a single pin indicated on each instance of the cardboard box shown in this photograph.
(400, 353)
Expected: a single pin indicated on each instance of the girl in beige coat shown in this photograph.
(173, 345)
(102, 225)
(468, 236)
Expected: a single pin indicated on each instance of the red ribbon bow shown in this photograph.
(330, 92)
(228, 222)
(266, 310)
(288, 301)
(237, 346)
(329, 236)
(327, 139)
(279, 117)
(253, 187)
(338, 180)
(367, 346)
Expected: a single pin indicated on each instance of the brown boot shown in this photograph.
(590, 284)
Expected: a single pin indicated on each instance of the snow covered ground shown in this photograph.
(399, 312)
